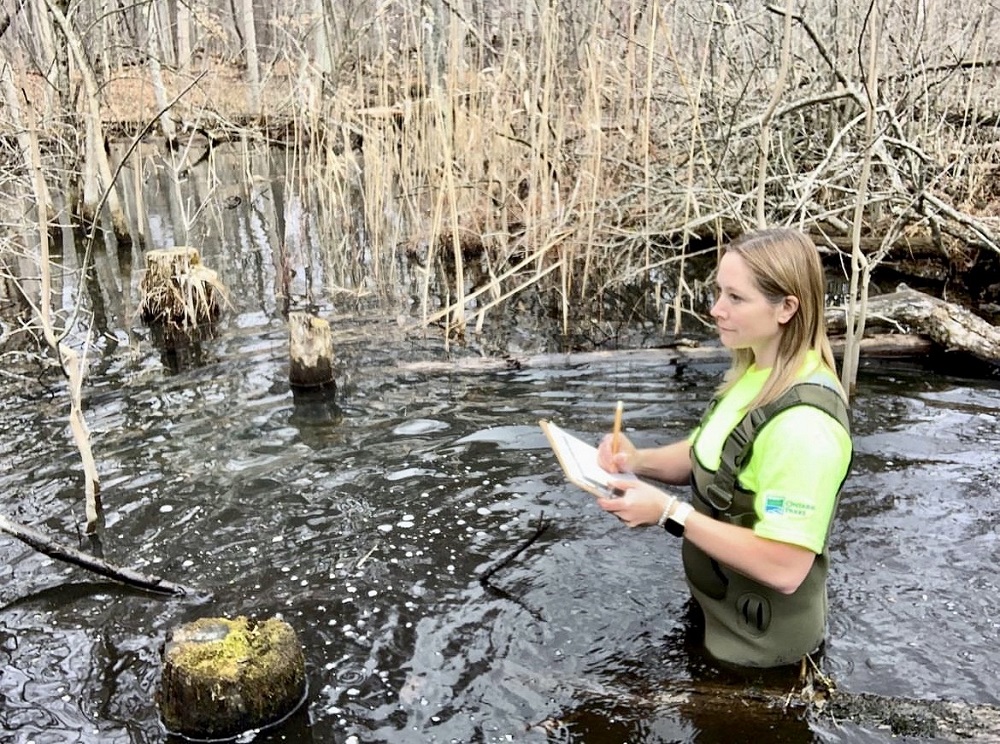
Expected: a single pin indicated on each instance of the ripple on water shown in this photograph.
(415, 427)
(373, 538)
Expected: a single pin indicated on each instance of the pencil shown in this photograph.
(617, 430)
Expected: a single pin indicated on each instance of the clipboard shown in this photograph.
(579, 462)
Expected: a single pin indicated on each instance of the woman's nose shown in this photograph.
(716, 310)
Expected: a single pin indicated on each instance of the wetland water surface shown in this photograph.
(366, 525)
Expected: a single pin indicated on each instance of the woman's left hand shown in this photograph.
(641, 503)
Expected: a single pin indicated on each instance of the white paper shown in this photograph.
(579, 461)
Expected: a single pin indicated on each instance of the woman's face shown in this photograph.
(745, 318)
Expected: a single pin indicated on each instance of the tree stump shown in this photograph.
(178, 291)
(222, 677)
(310, 351)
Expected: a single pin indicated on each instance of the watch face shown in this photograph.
(674, 528)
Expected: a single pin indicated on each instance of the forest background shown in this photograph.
(580, 161)
(463, 162)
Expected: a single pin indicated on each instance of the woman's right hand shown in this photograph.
(624, 458)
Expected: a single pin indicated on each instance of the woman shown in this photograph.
(766, 462)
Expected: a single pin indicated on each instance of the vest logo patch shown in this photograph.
(780, 506)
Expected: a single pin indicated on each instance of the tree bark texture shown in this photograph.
(252, 57)
(949, 326)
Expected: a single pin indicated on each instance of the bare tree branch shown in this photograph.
(37, 540)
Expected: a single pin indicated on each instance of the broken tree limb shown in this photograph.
(951, 327)
(35, 539)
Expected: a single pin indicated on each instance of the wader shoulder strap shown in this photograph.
(738, 447)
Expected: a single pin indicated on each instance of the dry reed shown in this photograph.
(599, 147)
(574, 150)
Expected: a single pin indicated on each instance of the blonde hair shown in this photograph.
(784, 262)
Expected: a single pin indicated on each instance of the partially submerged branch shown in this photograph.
(815, 697)
(35, 539)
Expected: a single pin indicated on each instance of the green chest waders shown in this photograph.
(747, 623)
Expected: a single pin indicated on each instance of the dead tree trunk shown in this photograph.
(12, 101)
(155, 47)
(310, 351)
(949, 326)
(96, 160)
(252, 57)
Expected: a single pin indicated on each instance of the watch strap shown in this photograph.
(675, 522)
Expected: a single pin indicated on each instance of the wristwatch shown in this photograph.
(675, 522)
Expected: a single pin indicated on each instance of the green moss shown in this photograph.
(223, 676)
(228, 649)
(222, 658)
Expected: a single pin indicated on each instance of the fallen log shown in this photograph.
(949, 326)
(877, 345)
(35, 539)
(905, 323)
(940, 720)
(937, 720)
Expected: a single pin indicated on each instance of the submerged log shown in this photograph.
(311, 352)
(223, 677)
(765, 707)
(178, 291)
(940, 720)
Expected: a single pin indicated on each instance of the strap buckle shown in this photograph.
(718, 498)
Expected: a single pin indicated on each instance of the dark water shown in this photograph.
(368, 521)
(367, 524)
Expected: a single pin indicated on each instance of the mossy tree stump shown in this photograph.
(310, 348)
(178, 291)
(222, 677)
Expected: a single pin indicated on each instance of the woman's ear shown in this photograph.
(788, 308)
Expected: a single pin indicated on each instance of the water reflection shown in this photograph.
(366, 520)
